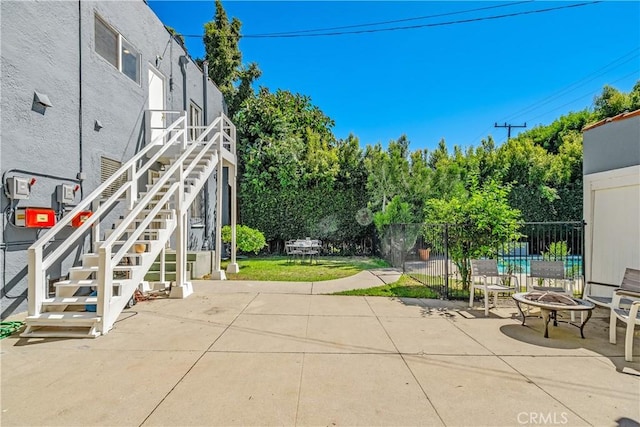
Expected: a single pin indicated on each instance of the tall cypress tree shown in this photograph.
(221, 39)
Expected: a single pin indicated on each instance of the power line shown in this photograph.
(410, 27)
(395, 21)
(509, 126)
(568, 89)
(437, 24)
(591, 93)
(576, 85)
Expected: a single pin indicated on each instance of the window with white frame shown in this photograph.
(195, 120)
(117, 50)
(197, 210)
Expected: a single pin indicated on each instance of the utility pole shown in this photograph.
(509, 126)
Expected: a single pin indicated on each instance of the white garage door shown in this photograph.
(615, 233)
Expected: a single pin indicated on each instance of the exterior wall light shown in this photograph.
(40, 102)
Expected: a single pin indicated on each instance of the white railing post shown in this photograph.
(147, 127)
(217, 273)
(37, 282)
(233, 266)
(132, 192)
(95, 229)
(163, 263)
(181, 257)
(105, 289)
(185, 130)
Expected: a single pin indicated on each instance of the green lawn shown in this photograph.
(276, 268)
(406, 287)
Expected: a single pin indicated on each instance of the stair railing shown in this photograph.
(177, 170)
(39, 263)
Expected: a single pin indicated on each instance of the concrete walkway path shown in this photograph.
(280, 354)
(362, 280)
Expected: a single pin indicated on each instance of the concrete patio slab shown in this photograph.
(219, 308)
(233, 286)
(506, 337)
(258, 356)
(484, 391)
(231, 389)
(430, 336)
(42, 386)
(397, 307)
(343, 334)
(327, 305)
(279, 304)
(157, 331)
(264, 334)
(577, 384)
(361, 390)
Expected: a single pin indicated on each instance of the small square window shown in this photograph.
(106, 42)
(116, 50)
(130, 61)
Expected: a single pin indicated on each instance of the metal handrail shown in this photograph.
(40, 263)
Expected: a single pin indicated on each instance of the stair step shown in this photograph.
(62, 324)
(160, 212)
(70, 300)
(147, 231)
(58, 318)
(137, 242)
(94, 268)
(82, 283)
(188, 181)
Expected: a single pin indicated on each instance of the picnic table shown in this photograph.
(302, 248)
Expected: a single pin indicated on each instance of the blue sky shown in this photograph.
(451, 81)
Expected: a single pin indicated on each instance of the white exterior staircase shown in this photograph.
(120, 260)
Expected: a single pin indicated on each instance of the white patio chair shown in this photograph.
(630, 282)
(546, 276)
(292, 250)
(486, 270)
(629, 289)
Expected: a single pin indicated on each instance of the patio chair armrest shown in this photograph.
(618, 294)
(626, 293)
(633, 313)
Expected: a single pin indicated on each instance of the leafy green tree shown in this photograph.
(611, 102)
(380, 183)
(480, 222)
(247, 239)
(396, 212)
(295, 179)
(550, 136)
(634, 97)
(221, 38)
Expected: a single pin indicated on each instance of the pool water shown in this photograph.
(572, 264)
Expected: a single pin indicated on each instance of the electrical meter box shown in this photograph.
(80, 218)
(65, 193)
(35, 217)
(18, 188)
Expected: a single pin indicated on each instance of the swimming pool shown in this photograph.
(572, 264)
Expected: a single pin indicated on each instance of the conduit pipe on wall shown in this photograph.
(80, 171)
(206, 242)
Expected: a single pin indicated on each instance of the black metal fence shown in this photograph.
(425, 252)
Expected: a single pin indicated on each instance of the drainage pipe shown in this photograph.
(206, 241)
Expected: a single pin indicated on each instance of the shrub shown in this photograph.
(247, 239)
